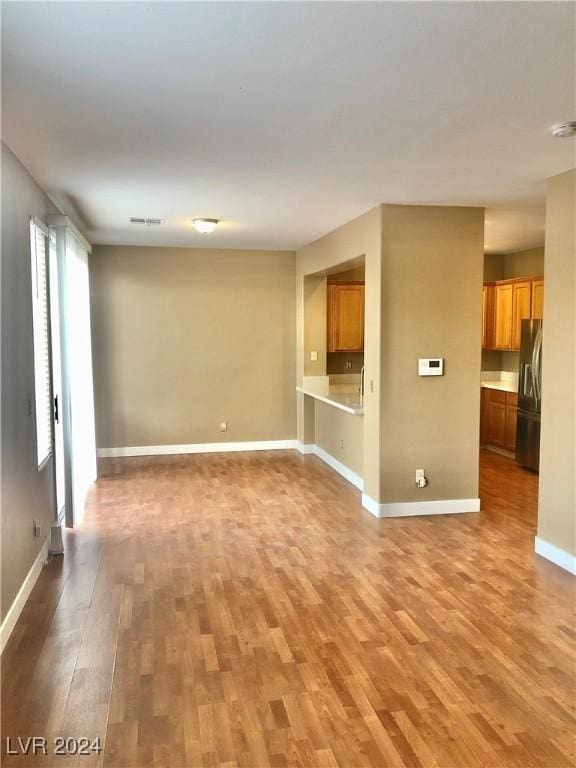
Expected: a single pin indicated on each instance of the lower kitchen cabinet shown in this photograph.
(498, 413)
(511, 419)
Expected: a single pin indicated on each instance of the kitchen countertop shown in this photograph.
(505, 381)
(343, 396)
(503, 386)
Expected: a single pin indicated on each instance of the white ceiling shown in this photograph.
(287, 119)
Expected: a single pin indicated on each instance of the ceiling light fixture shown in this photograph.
(563, 130)
(205, 226)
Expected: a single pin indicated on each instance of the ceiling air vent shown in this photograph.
(147, 222)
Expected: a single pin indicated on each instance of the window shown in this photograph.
(42, 380)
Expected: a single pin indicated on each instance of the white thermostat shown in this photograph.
(430, 366)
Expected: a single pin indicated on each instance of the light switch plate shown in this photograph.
(314, 356)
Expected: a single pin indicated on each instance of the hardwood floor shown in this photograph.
(244, 610)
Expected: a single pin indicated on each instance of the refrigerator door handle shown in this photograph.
(533, 385)
(538, 366)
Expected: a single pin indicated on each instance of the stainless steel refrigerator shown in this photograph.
(529, 395)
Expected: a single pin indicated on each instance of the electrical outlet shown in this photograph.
(421, 481)
(348, 364)
(37, 529)
(314, 356)
(341, 444)
(223, 426)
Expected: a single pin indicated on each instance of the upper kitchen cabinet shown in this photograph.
(513, 301)
(488, 291)
(345, 317)
(537, 299)
(521, 309)
(503, 317)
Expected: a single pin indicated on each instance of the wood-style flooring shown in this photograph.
(244, 610)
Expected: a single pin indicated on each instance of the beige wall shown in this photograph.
(340, 434)
(493, 266)
(557, 495)
(524, 263)
(432, 271)
(315, 314)
(184, 339)
(491, 360)
(502, 266)
(356, 239)
(26, 493)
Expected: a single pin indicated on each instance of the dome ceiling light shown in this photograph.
(205, 226)
(564, 130)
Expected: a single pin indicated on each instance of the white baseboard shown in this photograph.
(23, 594)
(372, 506)
(332, 462)
(168, 450)
(412, 508)
(342, 469)
(305, 447)
(556, 555)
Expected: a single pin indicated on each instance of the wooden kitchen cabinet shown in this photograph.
(514, 301)
(488, 291)
(503, 317)
(511, 419)
(537, 299)
(521, 310)
(498, 415)
(345, 317)
(484, 396)
(496, 418)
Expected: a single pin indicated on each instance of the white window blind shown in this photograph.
(42, 379)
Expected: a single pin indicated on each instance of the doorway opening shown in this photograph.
(511, 370)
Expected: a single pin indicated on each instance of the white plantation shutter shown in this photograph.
(40, 323)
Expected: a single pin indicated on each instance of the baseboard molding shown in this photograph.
(23, 594)
(372, 506)
(305, 447)
(168, 450)
(413, 508)
(500, 451)
(556, 555)
(332, 462)
(337, 466)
